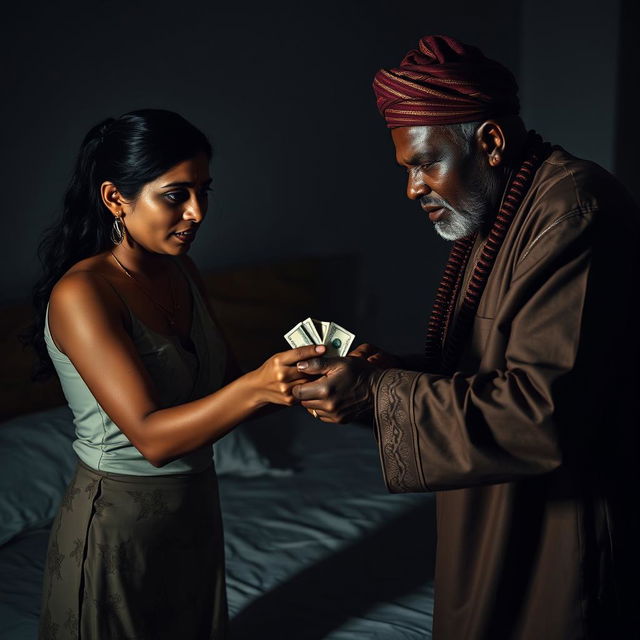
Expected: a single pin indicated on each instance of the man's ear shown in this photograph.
(111, 198)
(490, 137)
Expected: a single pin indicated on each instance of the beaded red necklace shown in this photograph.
(442, 356)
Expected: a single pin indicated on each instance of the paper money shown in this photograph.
(311, 328)
(298, 337)
(337, 340)
(310, 331)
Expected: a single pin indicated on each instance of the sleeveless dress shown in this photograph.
(136, 552)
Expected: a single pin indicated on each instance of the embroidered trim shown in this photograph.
(395, 433)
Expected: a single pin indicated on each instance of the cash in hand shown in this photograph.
(311, 331)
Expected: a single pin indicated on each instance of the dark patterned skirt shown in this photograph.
(136, 558)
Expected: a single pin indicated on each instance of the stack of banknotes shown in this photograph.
(310, 331)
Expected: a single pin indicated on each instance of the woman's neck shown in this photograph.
(139, 261)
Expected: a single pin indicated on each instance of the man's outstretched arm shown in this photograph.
(439, 432)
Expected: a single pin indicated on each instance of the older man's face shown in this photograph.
(454, 185)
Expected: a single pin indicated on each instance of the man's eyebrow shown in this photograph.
(420, 158)
(186, 184)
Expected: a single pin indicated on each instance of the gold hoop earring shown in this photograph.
(118, 231)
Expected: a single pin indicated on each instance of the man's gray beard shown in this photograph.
(475, 209)
(460, 224)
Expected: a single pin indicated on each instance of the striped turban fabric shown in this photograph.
(445, 81)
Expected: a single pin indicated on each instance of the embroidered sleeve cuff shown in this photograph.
(396, 432)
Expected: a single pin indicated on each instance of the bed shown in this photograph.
(315, 545)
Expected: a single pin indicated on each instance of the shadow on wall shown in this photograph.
(376, 569)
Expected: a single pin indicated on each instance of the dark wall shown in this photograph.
(627, 166)
(303, 162)
(569, 74)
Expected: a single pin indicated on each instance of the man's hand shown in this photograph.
(376, 356)
(344, 391)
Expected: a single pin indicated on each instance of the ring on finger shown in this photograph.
(314, 412)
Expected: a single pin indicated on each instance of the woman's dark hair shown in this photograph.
(129, 151)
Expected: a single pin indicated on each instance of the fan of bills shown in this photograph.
(310, 331)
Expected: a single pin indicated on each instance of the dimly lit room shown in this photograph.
(326, 527)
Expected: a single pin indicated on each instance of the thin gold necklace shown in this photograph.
(170, 314)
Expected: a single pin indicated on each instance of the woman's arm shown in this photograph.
(86, 320)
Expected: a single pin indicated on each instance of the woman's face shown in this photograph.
(167, 213)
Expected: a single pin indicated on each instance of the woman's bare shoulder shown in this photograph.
(87, 283)
(99, 263)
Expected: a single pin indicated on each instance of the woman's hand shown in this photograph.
(274, 380)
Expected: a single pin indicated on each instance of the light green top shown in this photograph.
(179, 376)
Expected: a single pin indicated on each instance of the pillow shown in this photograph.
(236, 454)
(37, 462)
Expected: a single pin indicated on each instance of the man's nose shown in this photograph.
(416, 187)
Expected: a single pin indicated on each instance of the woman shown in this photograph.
(136, 550)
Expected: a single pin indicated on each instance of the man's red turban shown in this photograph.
(444, 82)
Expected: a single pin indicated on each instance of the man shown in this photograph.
(523, 413)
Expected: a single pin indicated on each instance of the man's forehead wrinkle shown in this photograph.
(421, 141)
(420, 135)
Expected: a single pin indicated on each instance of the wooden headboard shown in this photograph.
(255, 305)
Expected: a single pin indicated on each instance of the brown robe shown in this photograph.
(532, 445)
